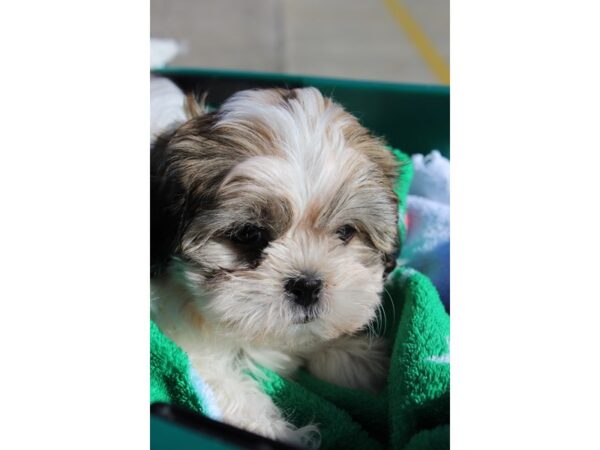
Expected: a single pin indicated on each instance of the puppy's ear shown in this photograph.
(186, 166)
(166, 209)
(373, 148)
(390, 168)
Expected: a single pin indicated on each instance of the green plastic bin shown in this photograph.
(413, 118)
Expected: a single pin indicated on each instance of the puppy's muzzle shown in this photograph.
(304, 290)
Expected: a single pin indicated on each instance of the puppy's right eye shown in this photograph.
(251, 236)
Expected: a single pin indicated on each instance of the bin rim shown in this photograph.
(306, 80)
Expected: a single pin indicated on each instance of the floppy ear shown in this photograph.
(389, 167)
(166, 208)
(186, 165)
(168, 193)
(374, 148)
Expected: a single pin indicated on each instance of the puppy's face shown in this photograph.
(278, 212)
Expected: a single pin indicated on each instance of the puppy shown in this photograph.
(274, 222)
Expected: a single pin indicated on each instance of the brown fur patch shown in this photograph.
(360, 139)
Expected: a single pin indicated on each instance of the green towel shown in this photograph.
(412, 412)
(169, 373)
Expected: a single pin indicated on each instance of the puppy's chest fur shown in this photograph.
(173, 310)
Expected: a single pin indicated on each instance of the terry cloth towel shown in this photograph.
(427, 244)
(431, 177)
(412, 412)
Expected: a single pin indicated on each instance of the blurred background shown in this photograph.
(387, 40)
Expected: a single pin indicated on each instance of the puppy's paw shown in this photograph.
(357, 362)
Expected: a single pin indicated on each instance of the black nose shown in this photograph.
(304, 290)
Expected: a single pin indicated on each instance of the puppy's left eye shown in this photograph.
(251, 236)
(346, 233)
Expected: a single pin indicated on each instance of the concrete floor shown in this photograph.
(339, 38)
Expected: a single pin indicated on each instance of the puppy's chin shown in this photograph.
(253, 310)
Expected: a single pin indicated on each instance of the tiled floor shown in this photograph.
(387, 40)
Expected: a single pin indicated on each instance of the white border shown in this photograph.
(75, 233)
(525, 225)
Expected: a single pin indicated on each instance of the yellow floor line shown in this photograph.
(420, 40)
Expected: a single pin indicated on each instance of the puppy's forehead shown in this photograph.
(297, 122)
(305, 184)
